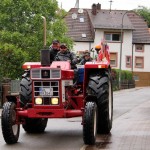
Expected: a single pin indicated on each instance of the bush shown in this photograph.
(11, 61)
(126, 76)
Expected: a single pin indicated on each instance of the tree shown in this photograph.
(21, 29)
(145, 13)
(11, 61)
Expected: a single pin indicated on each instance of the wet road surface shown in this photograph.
(131, 128)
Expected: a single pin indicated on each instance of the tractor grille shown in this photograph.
(46, 90)
(45, 73)
(55, 73)
(36, 73)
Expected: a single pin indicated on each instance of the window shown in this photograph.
(139, 48)
(114, 37)
(139, 62)
(81, 19)
(128, 61)
(113, 59)
(83, 35)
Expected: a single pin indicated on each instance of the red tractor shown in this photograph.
(51, 91)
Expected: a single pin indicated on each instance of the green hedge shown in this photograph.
(125, 76)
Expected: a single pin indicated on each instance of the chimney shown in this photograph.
(98, 6)
(94, 9)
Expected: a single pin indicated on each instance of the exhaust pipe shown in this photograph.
(44, 23)
(45, 55)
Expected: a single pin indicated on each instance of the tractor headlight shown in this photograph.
(54, 101)
(28, 67)
(38, 101)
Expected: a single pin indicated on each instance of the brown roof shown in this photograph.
(104, 19)
(141, 33)
(79, 31)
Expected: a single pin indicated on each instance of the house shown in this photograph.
(87, 27)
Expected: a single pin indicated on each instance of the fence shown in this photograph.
(12, 87)
(15, 86)
(125, 84)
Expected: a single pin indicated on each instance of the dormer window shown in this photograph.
(81, 19)
(139, 48)
(83, 35)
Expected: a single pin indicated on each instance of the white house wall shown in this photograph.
(146, 55)
(126, 48)
(82, 46)
(115, 47)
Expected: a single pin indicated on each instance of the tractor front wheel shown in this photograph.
(90, 123)
(10, 128)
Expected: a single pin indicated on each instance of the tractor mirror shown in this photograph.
(45, 57)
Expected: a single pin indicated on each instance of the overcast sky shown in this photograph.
(105, 4)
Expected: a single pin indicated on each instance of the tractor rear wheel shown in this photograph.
(37, 125)
(10, 128)
(101, 86)
(25, 91)
(90, 123)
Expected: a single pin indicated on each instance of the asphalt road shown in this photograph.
(131, 128)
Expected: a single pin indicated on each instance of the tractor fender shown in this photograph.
(12, 98)
(92, 98)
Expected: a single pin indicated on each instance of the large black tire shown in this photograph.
(100, 85)
(37, 125)
(25, 91)
(10, 129)
(90, 123)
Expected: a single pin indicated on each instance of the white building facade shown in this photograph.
(98, 24)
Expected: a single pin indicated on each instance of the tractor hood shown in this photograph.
(63, 65)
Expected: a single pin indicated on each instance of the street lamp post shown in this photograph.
(121, 49)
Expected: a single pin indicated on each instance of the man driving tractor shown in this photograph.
(65, 55)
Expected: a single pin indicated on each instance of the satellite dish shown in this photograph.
(80, 10)
(74, 16)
